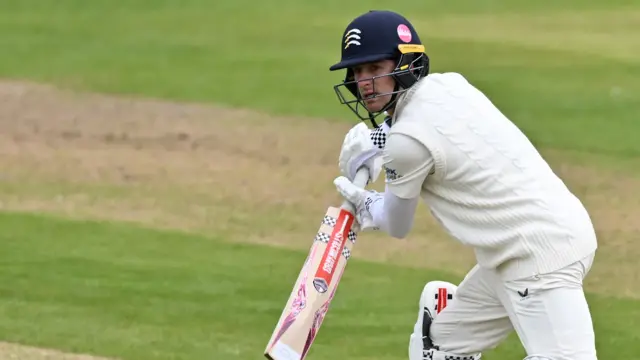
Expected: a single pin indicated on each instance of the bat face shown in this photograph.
(315, 288)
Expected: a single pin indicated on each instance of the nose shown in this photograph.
(365, 83)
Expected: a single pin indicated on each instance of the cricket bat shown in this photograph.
(317, 282)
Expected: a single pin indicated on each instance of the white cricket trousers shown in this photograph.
(549, 313)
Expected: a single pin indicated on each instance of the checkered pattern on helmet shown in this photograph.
(378, 137)
(352, 236)
(322, 237)
(346, 253)
(328, 220)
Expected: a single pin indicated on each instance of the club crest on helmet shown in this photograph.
(352, 37)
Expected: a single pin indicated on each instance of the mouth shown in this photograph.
(369, 95)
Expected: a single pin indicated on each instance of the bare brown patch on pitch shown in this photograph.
(164, 159)
(10, 351)
(244, 175)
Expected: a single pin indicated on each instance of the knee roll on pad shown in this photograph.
(434, 298)
(436, 295)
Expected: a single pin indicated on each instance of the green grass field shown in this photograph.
(144, 226)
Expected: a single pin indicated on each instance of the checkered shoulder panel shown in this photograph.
(378, 137)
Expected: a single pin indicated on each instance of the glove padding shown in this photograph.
(358, 150)
(361, 200)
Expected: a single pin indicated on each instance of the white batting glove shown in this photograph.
(361, 200)
(358, 150)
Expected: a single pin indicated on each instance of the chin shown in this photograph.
(375, 107)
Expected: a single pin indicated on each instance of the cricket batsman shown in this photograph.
(440, 139)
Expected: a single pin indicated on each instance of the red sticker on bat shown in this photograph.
(333, 251)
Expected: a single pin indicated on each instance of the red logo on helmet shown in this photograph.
(404, 33)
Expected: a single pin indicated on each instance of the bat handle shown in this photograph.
(360, 180)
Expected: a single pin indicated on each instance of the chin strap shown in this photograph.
(373, 121)
(387, 120)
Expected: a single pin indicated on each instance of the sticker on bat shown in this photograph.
(331, 256)
(320, 285)
(318, 318)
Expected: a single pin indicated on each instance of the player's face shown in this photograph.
(371, 89)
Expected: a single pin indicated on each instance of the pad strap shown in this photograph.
(433, 354)
(426, 325)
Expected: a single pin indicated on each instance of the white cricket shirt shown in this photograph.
(483, 180)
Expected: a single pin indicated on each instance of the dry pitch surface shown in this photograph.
(19, 352)
(246, 175)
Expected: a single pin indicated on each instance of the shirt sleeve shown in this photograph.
(394, 215)
(407, 162)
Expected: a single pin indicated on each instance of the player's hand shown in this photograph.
(359, 198)
(358, 150)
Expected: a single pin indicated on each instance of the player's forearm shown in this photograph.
(394, 215)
